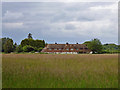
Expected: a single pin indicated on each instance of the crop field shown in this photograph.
(59, 71)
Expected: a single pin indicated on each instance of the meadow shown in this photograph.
(59, 71)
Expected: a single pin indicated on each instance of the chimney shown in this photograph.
(66, 42)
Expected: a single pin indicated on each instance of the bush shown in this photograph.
(32, 51)
(40, 49)
(28, 48)
(80, 52)
(35, 49)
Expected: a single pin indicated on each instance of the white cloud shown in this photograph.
(64, 20)
(61, 1)
(113, 7)
(12, 15)
(13, 25)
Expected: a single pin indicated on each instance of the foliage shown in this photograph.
(19, 49)
(87, 42)
(35, 49)
(28, 48)
(8, 46)
(14, 47)
(111, 48)
(33, 43)
(30, 36)
(40, 49)
(3, 41)
(32, 51)
(95, 45)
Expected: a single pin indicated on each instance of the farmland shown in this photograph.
(59, 71)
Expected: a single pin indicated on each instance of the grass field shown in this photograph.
(59, 71)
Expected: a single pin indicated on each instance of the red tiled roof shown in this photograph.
(65, 47)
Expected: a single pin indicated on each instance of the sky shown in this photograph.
(61, 22)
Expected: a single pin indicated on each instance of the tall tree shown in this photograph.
(8, 46)
(30, 36)
(14, 46)
(33, 43)
(3, 41)
(87, 42)
(19, 49)
(95, 45)
(43, 43)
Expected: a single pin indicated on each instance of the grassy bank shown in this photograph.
(60, 71)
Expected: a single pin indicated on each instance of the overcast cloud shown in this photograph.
(61, 22)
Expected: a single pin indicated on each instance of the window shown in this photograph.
(60, 49)
(81, 48)
(77, 49)
(86, 48)
(55, 49)
(50, 49)
(67, 49)
(71, 49)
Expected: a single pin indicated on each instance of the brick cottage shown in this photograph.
(66, 48)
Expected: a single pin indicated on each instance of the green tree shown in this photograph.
(40, 49)
(95, 45)
(111, 48)
(28, 48)
(33, 43)
(19, 49)
(87, 42)
(14, 46)
(119, 47)
(8, 46)
(30, 36)
(2, 42)
(43, 43)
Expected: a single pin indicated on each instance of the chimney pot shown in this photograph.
(67, 43)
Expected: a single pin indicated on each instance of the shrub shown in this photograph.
(32, 51)
(40, 49)
(35, 49)
(28, 48)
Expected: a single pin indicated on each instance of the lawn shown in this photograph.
(59, 71)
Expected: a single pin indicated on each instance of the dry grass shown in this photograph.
(60, 71)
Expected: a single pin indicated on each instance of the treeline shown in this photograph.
(96, 46)
(111, 48)
(26, 45)
(31, 45)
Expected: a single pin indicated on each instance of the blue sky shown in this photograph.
(60, 22)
